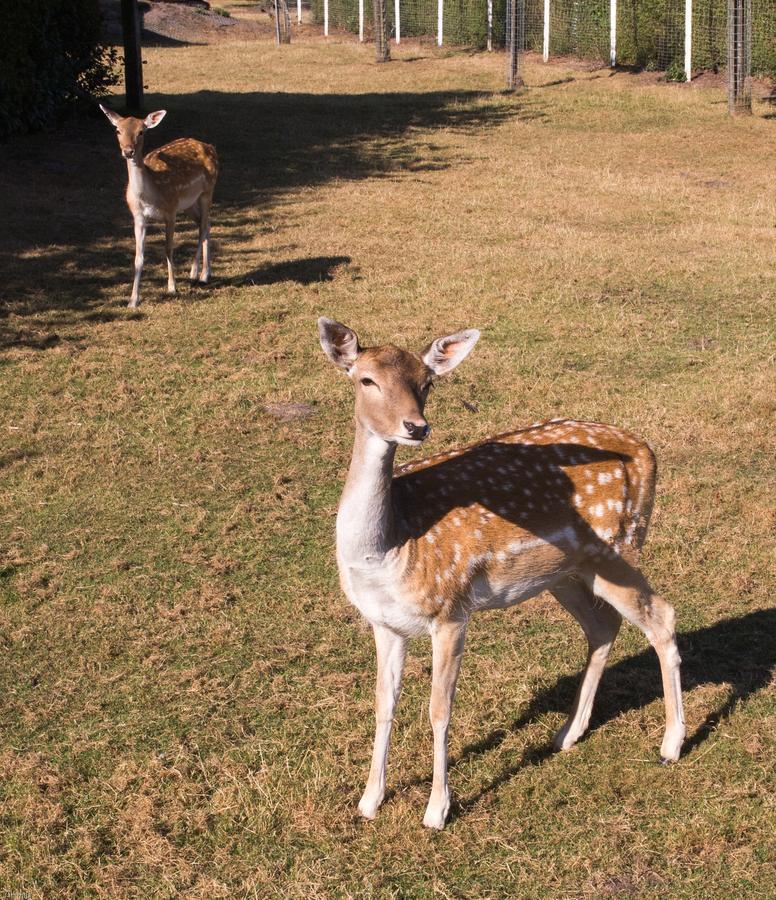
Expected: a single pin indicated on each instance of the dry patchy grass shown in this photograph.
(187, 701)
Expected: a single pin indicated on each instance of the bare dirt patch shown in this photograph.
(167, 23)
(191, 25)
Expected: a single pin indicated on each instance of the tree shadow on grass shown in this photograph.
(738, 653)
(69, 234)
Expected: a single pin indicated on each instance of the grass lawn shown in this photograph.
(187, 700)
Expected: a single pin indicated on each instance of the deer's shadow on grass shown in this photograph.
(739, 653)
(306, 270)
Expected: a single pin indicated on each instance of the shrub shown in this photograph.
(51, 59)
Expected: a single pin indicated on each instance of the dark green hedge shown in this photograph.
(51, 58)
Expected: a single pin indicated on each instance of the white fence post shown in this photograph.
(397, 17)
(490, 24)
(325, 18)
(298, 12)
(612, 33)
(688, 39)
(361, 20)
(440, 18)
(546, 35)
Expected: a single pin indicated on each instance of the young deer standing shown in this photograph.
(560, 506)
(179, 176)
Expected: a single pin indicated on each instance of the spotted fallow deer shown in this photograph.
(560, 506)
(180, 176)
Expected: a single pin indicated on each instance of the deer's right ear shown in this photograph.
(114, 117)
(339, 342)
(154, 118)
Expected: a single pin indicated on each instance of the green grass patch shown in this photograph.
(187, 699)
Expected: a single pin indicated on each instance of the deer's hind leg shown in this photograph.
(202, 217)
(600, 623)
(626, 589)
(169, 237)
(195, 211)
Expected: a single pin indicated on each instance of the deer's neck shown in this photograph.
(138, 175)
(365, 525)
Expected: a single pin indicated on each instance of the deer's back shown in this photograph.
(181, 162)
(520, 509)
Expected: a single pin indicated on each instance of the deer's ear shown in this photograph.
(114, 117)
(339, 342)
(154, 118)
(445, 353)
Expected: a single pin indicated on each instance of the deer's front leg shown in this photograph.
(140, 233)
(447, 643)
(391, 649)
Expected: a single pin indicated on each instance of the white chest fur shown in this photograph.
(144, 195)
(373, 588)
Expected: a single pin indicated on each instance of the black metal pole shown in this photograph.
(133, 60)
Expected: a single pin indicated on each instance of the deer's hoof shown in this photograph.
(368, 807)
(436, 814)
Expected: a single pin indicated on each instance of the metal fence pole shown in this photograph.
(490, 25)
(739, 57)
(688, 39)
(515, 37)
(613, 32)
(382, 47)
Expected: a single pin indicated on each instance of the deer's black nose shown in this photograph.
(128, 154)
(418, 431)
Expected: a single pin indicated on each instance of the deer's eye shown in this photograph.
(367, 382)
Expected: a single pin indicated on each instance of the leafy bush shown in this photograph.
(51, 58)
(675, 71)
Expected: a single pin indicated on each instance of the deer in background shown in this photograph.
(178, 176)
(560, 506)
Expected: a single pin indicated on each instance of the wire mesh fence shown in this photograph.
(579, 28)
(739, 56)
(763, 17)
(736, 38)
(456, 22)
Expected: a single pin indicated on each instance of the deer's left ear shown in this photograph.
(154, 118)
(445, 353)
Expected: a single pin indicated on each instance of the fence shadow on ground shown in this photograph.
(70, 240)
(738, 653)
